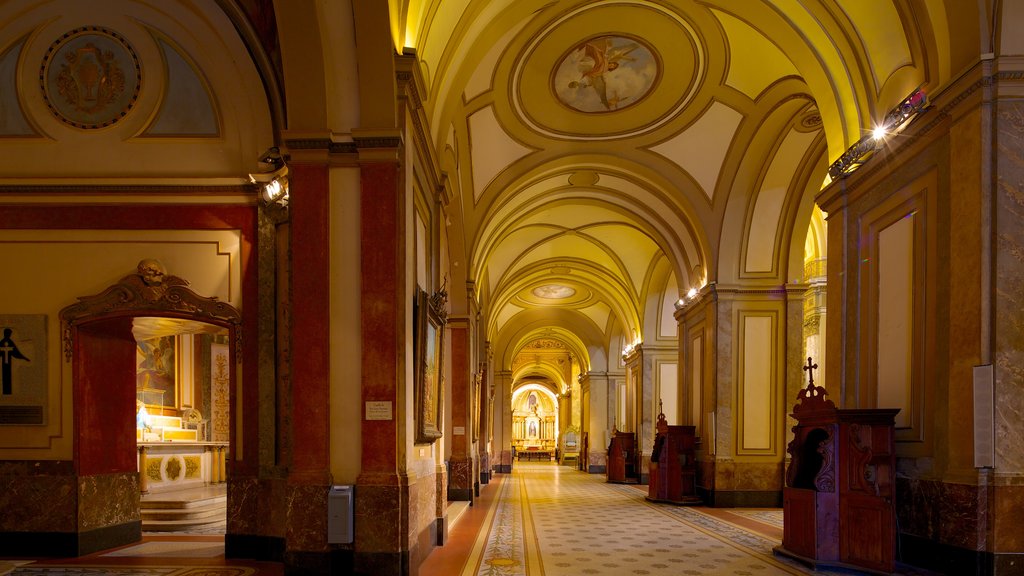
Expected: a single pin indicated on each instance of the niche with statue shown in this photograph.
(838, 502)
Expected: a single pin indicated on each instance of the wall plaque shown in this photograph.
(378, 410)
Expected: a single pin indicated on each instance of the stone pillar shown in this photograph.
(502, 443)
(598, 422)
(382, 488)
(484, 404)
(309, 472)
(460, 481)
(1006, 349)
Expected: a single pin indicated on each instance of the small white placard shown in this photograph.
(459, 430)
(378, 410)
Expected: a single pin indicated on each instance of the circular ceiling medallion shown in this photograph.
(605, 73)
(578, 79)
(554, 291)
(90, 77)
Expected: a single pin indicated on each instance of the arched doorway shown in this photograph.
(119, 396)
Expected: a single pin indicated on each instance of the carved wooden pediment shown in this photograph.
(149, 292)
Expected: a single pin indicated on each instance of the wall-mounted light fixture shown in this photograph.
(273, 183)
(894, 122)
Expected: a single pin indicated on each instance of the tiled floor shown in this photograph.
(549, 520)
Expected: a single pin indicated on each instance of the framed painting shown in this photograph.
(428, 327)
(156, 381)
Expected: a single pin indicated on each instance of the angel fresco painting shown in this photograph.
(605, 73)
(154, 368)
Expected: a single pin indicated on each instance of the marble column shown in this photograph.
(484, 406)
(309, 476)
(382, 491)
(599, 424)
(460, 481)
(503, 422)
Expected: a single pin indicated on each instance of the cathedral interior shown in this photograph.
(342, 273)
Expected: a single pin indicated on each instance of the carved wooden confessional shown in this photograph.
(622, 455)
(838, 502)
(673, 467)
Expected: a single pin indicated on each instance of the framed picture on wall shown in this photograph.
(156, 381)
(429, 319)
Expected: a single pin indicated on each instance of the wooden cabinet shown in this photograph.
(672, 469)
(622, 458)
(838, 502)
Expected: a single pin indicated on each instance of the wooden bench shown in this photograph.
(531, 454)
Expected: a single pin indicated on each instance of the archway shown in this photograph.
(100, 341)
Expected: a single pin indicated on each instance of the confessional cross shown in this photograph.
(810, 368)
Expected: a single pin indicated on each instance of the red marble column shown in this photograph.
(460, 481)
(382, 493)
(309, 477)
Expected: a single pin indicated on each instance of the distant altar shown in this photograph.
(173, 453)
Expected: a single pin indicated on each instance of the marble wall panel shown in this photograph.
(952, 514)
(706, 474)
(243, 506)
(108, 500)
(962, 516)
(38, 503)
(422, 517)
(273, 511)
(377, 518)
(597, 459)
(307, 518)
(441, 487)
(918, 506)
(1008, 510)
(725, 381)
(732, 475)
(461, 473)
(1009, 290)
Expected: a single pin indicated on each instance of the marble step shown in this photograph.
(170, 501)
(182, 525)
(209, 513)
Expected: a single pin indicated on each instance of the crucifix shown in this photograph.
(810, 368)
(8, 352)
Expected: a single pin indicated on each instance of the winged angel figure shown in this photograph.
(595, 59)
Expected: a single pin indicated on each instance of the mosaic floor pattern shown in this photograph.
(553, 521)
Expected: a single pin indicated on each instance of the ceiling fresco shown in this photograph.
(620, 150)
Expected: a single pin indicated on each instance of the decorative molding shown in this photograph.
(90, 77)
(149, 291)
(248, 190)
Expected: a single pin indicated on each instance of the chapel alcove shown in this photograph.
(153, 367)
(534, 423)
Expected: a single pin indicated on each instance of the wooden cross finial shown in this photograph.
(810, 368)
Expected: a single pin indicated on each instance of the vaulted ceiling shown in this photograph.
(609, 156)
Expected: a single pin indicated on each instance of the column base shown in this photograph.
(69, 544)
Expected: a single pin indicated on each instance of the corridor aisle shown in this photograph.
(549, 520)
